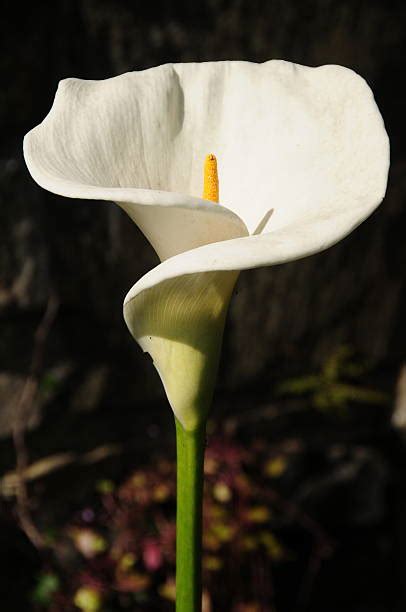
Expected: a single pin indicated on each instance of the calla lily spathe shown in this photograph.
(303, 159)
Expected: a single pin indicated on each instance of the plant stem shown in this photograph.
(190, 455)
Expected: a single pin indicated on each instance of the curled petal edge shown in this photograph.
(185, 222)
(177, 311)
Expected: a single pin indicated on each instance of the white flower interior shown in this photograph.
(295, 140)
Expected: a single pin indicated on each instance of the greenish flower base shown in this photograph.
(190, 456)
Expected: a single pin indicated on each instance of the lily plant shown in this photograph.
(224, 166)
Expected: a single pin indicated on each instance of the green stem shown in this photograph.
(190, 455)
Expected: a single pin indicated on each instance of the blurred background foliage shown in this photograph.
(305, 499)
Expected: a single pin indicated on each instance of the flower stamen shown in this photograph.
(211, 179)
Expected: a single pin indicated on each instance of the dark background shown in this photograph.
(284, 322)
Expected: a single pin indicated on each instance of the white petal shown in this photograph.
(297, 240)
(300, 141)
(176, 312)
(114, 140)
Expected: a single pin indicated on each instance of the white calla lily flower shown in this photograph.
(303, 159)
